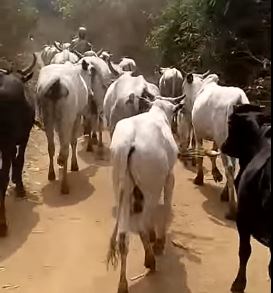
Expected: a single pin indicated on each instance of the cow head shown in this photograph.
(89, 73)
(244, 129)
(24, 74)
(194, 82)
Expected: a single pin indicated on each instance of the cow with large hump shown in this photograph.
(17, 114)
(122, 98)
(210, 106)
(249, 140)
(127, 64)
(137, 162)
(63, 56)
(47, 53)
(170, 85)
(62, 92)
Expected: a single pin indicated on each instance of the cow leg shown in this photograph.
(239, 283)
(100, 145)
(17, 168)
(62, 161)
(65, 135)
(123, 250)
(229, 170)
(193, 145)
(269, 266)
(51, 152)
(92, 133)
(168, 194)
(149, 262)
(94, 138)
(199, 179)
(74, 140)
(4, 181)
(86, 125)
(217, 176)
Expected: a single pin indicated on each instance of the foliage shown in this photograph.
(219, 34)
(182, 32)
(17, 17)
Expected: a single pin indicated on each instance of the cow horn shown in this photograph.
(204, 75)
(57, 46)
(184, 72)
(30, 67)
(146, 94)
(80, 55)
(144, 99)
(99, 52)
(112, 69)
(5, 71)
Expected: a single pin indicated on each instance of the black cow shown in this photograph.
(17, 115)
(249, 139)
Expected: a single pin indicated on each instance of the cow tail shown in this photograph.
(55, 90)
(123, 184)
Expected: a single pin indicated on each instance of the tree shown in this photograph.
(223, 35)
(17, 17)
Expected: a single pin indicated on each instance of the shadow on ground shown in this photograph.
(213, 205)
(80, 188)
(21, 220)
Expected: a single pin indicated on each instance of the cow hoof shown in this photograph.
(149, 262)
(152, 236)
(89, 148)
(224, 195)
(199, 180)
(74, 167)
(64, 189)
(231, 215)
(3, 229)
(217, 176)
(60, 161)
(51, 176)
(20, 191)
(123, 287)
(158, 247)
(238, 286)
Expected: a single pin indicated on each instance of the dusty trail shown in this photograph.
(58, 244)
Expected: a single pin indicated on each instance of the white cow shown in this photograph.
(127, 64)
(184, 116)
(212, 105)
(47, 53)
(64, 56)
(62, 92)
(170, 83)
(101, 80)
(143, 153)
(121, 99)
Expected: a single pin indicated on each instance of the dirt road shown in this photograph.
(58, 244)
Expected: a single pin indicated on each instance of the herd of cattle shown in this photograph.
(75, 89)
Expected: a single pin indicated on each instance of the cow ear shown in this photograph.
(130, 99)
(84, 65)
(190, 78)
